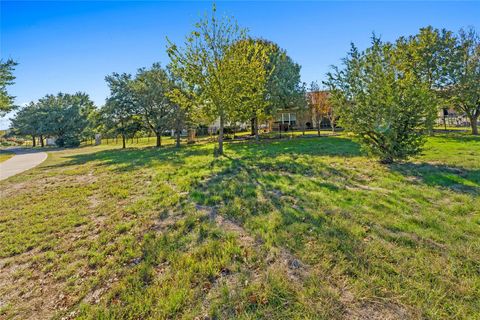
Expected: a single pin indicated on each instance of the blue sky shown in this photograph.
(70, 46)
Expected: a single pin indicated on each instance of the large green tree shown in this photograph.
(151, 88)
(200, 63)
(284, 86)
(66, 116)
(427, 55)
(63, 116)
(187, 112)
(6, 79)
(120, 112)
(463, 88)
(246, 64)
(386, 106)
(28, 122)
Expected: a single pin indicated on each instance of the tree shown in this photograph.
(6, 79)
(246, 64)
(66, 116)
(184, 107)
(284, 87)
(463, 89)
(120, 112)
(387, 107)
(427, 55)
(199, 65)
(318, 101)
(27, 122)
(151, 87)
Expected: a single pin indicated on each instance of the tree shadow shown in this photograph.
(324, 146)
(122, 160)
(456, 137)
(249, 183)
(460, 180)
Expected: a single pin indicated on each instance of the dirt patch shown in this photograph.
(376, 310)
(93, 201)
(33, 293)
(45, 183)
(297, 272)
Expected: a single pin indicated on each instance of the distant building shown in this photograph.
(451, 118)
(286, 119)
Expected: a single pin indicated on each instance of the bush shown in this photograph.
(387, 107)
(67, 141)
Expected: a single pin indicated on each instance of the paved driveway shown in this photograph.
(23, 160)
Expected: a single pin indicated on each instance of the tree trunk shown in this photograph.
(252, 127)
(191, 134)
(255, 129)
(474, 124)
(124, 138)
(41, 141)
(386, 160)
(318, 127)
(159, 139)
(34, 143)
(220, 137)
(177, 138)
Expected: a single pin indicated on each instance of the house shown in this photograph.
(317, 113)
(451, 117)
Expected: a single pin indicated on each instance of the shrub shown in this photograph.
(67, 141)
(387, 107)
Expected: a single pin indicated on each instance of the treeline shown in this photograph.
(388, 95)
(219, 75)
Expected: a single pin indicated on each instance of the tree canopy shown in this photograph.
(463, 89)
(6, 79)
(201, 64)
(151, 88)
(63, 116)
(120, 114)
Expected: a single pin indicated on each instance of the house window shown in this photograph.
(286, 118)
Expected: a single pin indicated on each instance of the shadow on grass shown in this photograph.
(456, 179)
(457, 137)
(132, 158)
(318, 146)
(244, 182)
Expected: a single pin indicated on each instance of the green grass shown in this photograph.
(294, 228)
(5, 155)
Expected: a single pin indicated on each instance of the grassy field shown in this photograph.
(5, 155)
(282, 229)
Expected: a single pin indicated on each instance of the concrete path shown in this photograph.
(23, 160)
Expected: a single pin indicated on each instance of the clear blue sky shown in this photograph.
(70, 46)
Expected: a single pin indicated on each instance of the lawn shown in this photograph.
(5, 155)
(280, 229)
